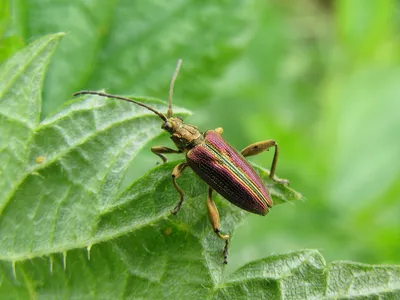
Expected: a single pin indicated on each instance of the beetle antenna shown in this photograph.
(171, 87)
(161, 115)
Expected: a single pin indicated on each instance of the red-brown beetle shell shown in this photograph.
(229, 174)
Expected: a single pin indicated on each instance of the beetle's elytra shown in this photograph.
(227, 172)
(223, 168)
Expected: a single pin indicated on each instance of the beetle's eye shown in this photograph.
(167, 125)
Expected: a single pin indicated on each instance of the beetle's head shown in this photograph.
(172, 124)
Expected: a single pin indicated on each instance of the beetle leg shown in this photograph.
(259, 147)
(214, 219)
(160, 150)
(220, 130)
(176, 173)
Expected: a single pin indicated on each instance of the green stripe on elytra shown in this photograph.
(248, 183)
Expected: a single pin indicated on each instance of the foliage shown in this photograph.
(322, 82)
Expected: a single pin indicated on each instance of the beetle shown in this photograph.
(224, 169)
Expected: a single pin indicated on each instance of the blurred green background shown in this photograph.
(322, 78)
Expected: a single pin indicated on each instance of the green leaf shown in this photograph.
(130, 46)
(10, 39)
(67, 231)
(304, 275)
(21, 79)
(63, 161)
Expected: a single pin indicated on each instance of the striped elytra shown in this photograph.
(229, 174)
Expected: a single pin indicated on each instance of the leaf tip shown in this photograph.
(88, 248)
(51, 264)
(65, 260)
(14, 269)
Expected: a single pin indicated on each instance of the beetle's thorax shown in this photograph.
(185, 136)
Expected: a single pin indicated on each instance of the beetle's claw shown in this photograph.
(226, 253)
(225, 262)
(161, 162)
(176, 209)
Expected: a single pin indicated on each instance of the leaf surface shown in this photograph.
(131, 47)
(67, 231)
